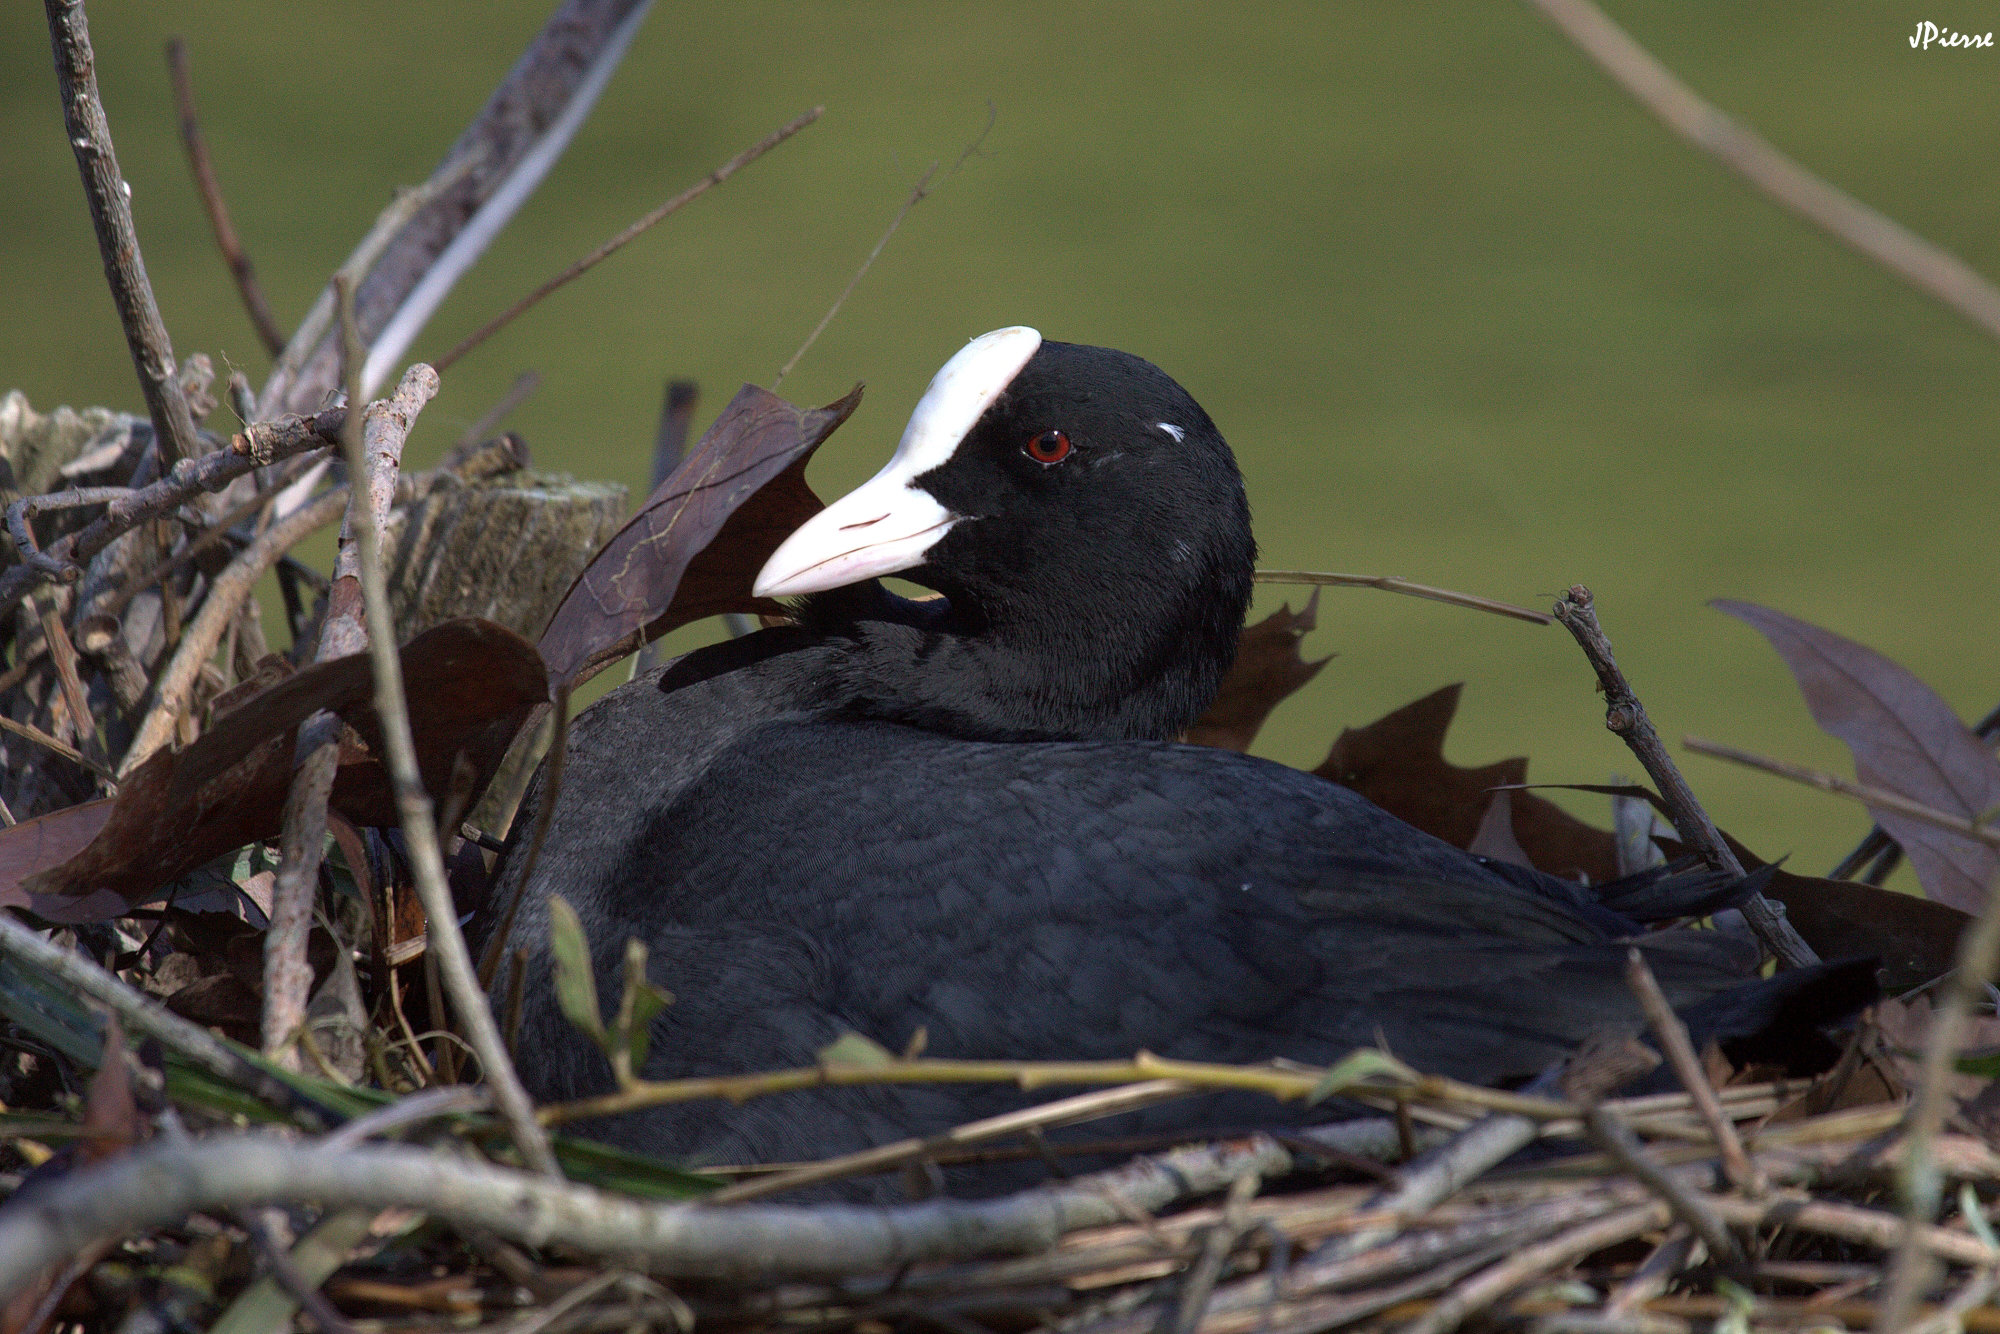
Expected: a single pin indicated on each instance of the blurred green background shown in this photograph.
(1467, 315)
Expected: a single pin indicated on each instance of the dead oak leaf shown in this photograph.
(1398, 763)
(1267, 670)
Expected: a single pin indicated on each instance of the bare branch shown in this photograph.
(1986, 833)
(618, 242)
(485, 176)
(288, 975)
(1529, 1263)
(385, 427)
(21, 513)
(117, 241)
(249, 449)
(475, 435)
(1871, 1227)
(1624, 715)
(1895, 247)
(210, 189)
(29, 732)
(144, 1015)
(1390, 583)
(1680, 1053)
(225, 595)
(164, 1182)
(1616, 1138)
(1062, 1112)
(63, 654)
(918, 194)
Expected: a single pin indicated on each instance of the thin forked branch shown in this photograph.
(249, 449)
(202, 167)
(1624, 715)
(117, 240)
(1881, 238)
(918, 194)
(618, 242)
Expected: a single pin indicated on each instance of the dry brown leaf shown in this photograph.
(1904, 739)
(695, 546)
(1267, 670)
(1398, 763)
(471, 683)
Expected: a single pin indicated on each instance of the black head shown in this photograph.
(1087, 525)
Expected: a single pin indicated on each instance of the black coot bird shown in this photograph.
(969, 815)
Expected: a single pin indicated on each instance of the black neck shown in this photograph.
(1057, 668)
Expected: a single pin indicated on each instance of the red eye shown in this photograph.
(1048, 447)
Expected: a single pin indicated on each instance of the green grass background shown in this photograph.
(1466, 314)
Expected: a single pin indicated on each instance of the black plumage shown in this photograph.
(967, 815)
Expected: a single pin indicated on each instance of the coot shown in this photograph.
(969, 815)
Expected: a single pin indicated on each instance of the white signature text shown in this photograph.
(1928, 34)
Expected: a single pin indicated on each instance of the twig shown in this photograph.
(1882, 239)
(290, 380)
(225, 593)
(103, 641)
(1921, 1182)
(1674, 1253)
(144, 1015)
(1624, 715)
(295, 1284)
(1862, 792)
(63, 654)
(1616, 1138)
(217, 530)
(251, 448)
(21, 513)
(162, 1183)
(1680, 1054)
(918, 193)
(1199, 1286)
(618, 242)
(1065, 1111)
(210, 189)
(117, 241)
(288, 975)
(1278, 1082)
(29, 732)
(526, 383)
(1797, 1313)
(413, 259)
(386, 424)
(449, 1100)
(554, 763)
(1441, 1173)
(1390, 583)
(1482, 1290)
(1871, 1227)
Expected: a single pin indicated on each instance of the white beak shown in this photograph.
(889, 522)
